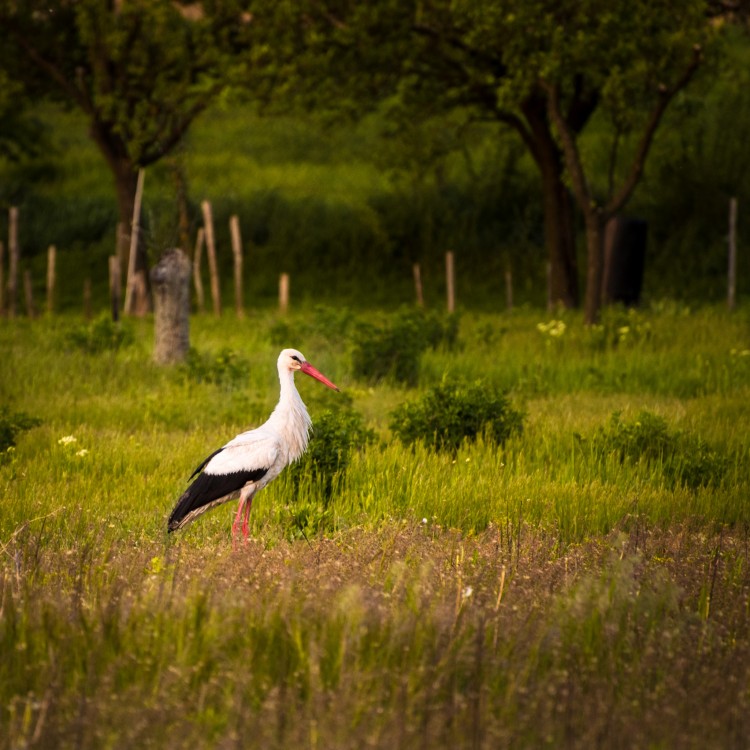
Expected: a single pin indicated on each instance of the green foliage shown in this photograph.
(449, 414)
(393, 349)
(163, 67)
(680, 457)
(226, 368)
(101, 335)
(11, 424)
(336, 435)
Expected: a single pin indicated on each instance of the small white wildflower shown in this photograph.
(83, 452)
(466, 593)
(67, 440)
(424, 520)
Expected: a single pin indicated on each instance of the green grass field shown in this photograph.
(587, 584)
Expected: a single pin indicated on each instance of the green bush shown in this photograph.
(394, 349)
(450, 413)
(682, 458)
(11, 424)
(101, 335)
(335, 435)
(225, 368)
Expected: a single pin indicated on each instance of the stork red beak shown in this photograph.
(308, 369)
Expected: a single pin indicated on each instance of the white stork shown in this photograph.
(250, 461)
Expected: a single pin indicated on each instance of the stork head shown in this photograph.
(291, 360)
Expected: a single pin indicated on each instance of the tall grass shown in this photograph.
(551, 591)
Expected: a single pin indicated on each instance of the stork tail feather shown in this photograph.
(208, 491)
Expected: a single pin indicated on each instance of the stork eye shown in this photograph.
(295, 357)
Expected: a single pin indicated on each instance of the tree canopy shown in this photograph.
(542, 67)
(140, 70)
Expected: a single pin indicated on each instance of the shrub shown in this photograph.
(394, 349)
(450, 413)
(682, 458)
(225, 368)
(335, 435)
(101, 335)
(11, 424)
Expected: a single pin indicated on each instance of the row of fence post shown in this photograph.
(135, 285)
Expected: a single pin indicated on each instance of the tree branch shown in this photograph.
(495, 63)
(53, 72)
(569, 148)
(165, 144)
(665, 97)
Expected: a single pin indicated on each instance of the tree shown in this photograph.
(428, 58)
(462, 59)
(542, 67)
(140, 70)
(635, 80)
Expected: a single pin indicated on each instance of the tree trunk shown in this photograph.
(594, 265)
(558, 204)
(560, 240)
(125, 174)
(171, 283)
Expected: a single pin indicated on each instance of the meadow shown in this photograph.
(586, 583)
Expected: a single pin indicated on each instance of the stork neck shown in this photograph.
(288, 394)
(290, 416)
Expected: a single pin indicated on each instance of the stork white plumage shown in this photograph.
(251, 460)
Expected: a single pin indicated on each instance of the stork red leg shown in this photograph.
(246, 517)
(236, 524)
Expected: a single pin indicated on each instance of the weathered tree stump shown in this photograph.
(170, 279)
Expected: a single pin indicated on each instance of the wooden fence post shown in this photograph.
(234, 228)
(51, 278)
(28, 292)
(208, 225)
(732, 270)
(283, 292)
(114, 286)
(450, 282)
(418, 284)
(130, 284)
(14, 252)
(140, 294)
(197, 278)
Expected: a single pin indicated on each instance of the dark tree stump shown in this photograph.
(624, 259)
(170, 279)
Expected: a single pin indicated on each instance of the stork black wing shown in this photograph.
(207, 491)
(204, 462)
